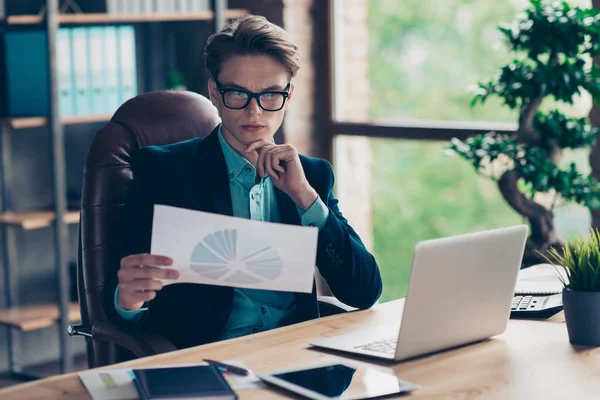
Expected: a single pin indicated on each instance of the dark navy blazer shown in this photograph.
(193, 175)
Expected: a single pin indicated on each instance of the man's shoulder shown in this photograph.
(314, 162)
(185, 148)
(318, 171)
(165, 156)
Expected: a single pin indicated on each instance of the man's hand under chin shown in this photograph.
(282, 163)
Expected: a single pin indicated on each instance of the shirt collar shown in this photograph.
(236, 164)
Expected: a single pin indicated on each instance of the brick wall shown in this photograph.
(300, 121)
(352, 154)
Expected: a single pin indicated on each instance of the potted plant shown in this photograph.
(580, 260)
(552, 45)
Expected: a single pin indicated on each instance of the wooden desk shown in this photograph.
(531, 360)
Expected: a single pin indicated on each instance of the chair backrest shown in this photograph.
(154, 118)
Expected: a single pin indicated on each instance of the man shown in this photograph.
(236, 170)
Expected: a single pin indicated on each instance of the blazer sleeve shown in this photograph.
(136, 228)
(343, 260)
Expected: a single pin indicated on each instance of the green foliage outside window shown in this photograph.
(423, 55)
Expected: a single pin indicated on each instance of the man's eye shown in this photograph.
(238, 93)
(267, 96)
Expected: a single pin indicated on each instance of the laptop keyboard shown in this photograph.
(382, 346)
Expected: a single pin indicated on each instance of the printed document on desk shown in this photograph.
(117, 384)
(214, 249)
(540, 279)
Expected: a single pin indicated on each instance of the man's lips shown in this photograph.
(253, 127)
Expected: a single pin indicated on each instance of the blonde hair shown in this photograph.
(251, 35)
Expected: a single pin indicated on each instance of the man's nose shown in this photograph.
(253, 108)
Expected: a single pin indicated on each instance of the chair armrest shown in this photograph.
(329, 305)
(142, 344)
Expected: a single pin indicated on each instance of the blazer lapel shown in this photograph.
(214, 177)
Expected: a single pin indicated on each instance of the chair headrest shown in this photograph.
(167, 116)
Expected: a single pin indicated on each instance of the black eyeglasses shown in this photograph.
(237, 99)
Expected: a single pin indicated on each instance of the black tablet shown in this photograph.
(338, 381)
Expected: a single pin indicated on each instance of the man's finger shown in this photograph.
(138, 297)
(276, 158)
(269, 167)
(256, 145)
(260, 167)
(137, 260)
(141, 285)
(131, 273)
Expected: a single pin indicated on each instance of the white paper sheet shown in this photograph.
(117, 384)
(220, 250)
(541, 279)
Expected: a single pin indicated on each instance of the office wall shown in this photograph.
(31, 188)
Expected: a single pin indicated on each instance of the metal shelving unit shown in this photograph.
(38, 316)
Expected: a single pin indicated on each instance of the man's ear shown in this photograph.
(213, 93)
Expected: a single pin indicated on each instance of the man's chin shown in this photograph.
(251, 137)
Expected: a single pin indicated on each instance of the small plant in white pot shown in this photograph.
(580, 260)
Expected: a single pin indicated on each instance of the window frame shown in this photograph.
(430, 130)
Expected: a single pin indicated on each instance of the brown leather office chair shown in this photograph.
(154, 118)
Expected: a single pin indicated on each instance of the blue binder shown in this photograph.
(66, 98)
(83, 99)
(27, 73)
(128, 72)
(97, 66)
(111, 70)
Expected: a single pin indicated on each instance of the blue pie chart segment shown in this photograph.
(236, 258)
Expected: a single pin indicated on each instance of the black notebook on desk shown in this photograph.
(191, 382)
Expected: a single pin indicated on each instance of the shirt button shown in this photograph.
(231, 176)
(264, 310)
(248, 169)
(252, 196)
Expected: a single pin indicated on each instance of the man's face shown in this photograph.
(252, 73)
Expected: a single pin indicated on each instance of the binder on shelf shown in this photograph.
(128, 72)
(130, 7)
(158, 6)
(96, 71)
(137, 6)
(82, 84)
(114, 6)
(146, 7)
(199, 5)
(111, 68)
(169, 6)
(180, 6)
(64, 57)
(27, 73)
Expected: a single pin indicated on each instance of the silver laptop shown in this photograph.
(460, 291)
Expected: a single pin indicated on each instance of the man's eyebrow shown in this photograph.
(236, 86)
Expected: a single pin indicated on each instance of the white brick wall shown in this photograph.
(352, 154)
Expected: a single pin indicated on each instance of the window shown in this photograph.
(401, 73)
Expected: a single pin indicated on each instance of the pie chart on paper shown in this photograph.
(236, 258)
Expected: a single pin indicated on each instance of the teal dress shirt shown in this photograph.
(254, 310)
